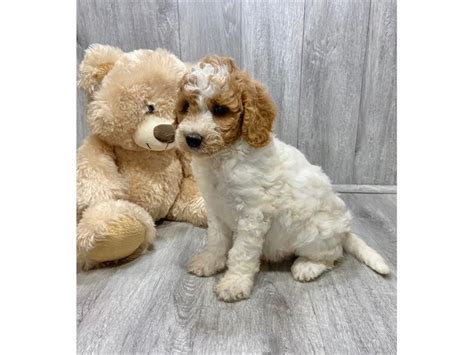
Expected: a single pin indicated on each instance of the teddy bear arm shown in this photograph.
(185, 161)
(98, 178)
(189, 205)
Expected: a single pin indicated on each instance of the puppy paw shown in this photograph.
(206, 264)
(233, 287)
(305, 270)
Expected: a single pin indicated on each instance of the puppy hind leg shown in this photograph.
(314, 258)
(305, 269)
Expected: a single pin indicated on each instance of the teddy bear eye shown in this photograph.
(150, 108)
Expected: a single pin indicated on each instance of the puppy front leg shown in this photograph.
(213, 259)
(244, 260)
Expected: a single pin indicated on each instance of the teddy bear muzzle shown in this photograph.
(155, 133)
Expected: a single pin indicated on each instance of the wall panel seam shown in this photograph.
(179, 30)
(241, 35)
(362, 91)
(301, 77)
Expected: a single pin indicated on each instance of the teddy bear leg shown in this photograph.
(189, 205)
(113, 232)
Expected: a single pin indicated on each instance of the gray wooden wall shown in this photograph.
(329, 65)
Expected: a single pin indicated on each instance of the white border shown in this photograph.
(435, 176)
(37, 145)
(435, 140)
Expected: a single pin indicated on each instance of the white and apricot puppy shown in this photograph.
(264, 198)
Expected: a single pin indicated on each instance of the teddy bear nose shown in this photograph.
(193, 140)
(164, 133)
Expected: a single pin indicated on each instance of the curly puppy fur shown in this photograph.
(129, 173)
(264, 198)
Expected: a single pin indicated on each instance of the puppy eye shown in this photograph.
(150, 108)
(220, 110)
(184, 107)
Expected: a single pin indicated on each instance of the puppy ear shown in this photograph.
(98, 61)
(259, 113)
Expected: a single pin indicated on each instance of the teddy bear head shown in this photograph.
(131, 96)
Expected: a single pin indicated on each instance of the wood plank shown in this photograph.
(153, 305)
(335, 34)
(366, 189)
(272, 33)
(209, 27)
(128, 25)
(376, 148)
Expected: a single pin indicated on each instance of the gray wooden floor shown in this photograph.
(153, 305)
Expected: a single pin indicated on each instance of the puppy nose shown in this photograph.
(193, 140)
(164, 133)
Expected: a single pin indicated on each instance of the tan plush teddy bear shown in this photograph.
(129, 171)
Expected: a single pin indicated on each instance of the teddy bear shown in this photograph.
(129, 170)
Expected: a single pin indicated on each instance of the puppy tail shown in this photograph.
(357, 247)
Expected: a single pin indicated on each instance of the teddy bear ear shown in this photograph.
(98, 61)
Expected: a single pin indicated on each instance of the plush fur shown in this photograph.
(264, 198)
(129, 172)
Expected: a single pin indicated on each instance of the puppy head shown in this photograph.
(217, 104)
